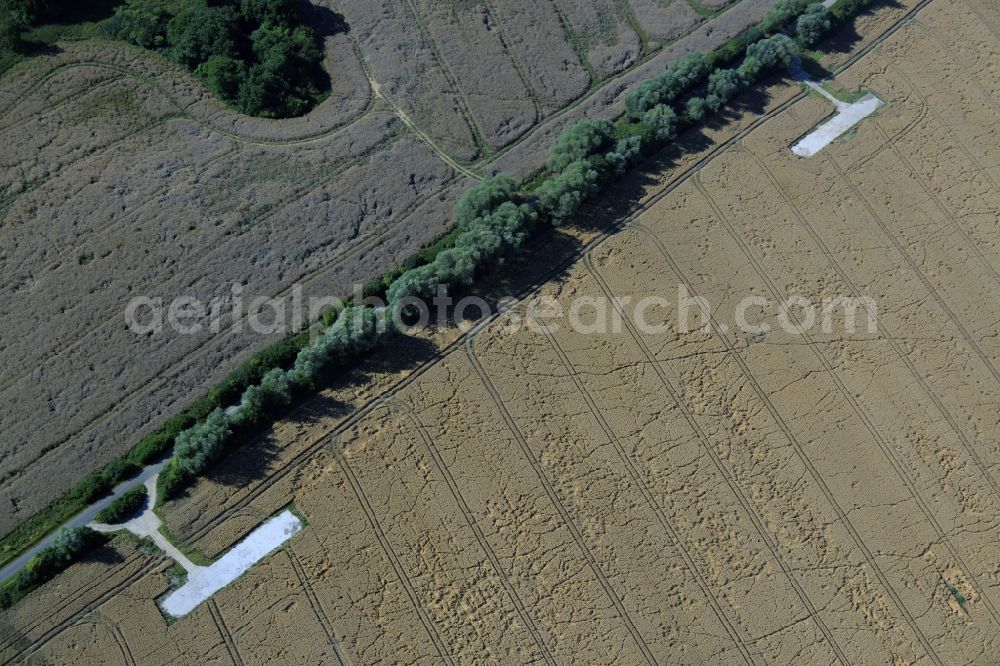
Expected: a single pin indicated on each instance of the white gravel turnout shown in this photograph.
(203, 582)
(848, 115)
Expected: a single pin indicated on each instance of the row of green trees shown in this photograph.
(356, 331)
(257, 55)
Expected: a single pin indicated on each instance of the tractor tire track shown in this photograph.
(666, 524)
(550, 491)
(227, 637)
(66, 601)
(756, 518)
(317, 606)
(928, 285)
(522, 71)
(870, 559)
(921, 381)
(390, 553)
(893, 341)
(668, 187)
(956, 138)
(971, 244)
(482, 147)
(398, 405)
(161, 376)
(106, 596)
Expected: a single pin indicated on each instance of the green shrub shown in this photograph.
(200, 444)
(356, 331)
(767, 54)
(69, 546)
(579, 141)
(124, 507)
(151, 448)
(117, 471)
(199, 32)
(484, 198)
(223, 75)
(724, 84)
(695, 109)
(624, 153)
(814, 23)
(845, 9)
(781, 14)
(562, 195)
(11, 30)
(142, 23)
(661, 121)
(664, 88)
(275, 12)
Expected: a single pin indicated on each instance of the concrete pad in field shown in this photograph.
(848, 115)
(203, 582)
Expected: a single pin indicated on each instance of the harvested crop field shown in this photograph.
(122, 177)
(630, 497)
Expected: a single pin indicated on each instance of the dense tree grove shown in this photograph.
(501, 227)
(661, 121)
(484, 198)
(199, 445)
(579, 141)
(493, 218)
(783, 12)
(357, 330)
(254, 54)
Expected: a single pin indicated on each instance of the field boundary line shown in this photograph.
(456, 493)
(800, 453)
(756, 517)
(941, 121)
(932, 34)
(863, 547)
(64, 602)
(933, 196)
(69, 99)
(404, 576)
(987, 23)
(515, 60)
(67, 252)
(666, 524)
(152, 385)
(478, 139)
